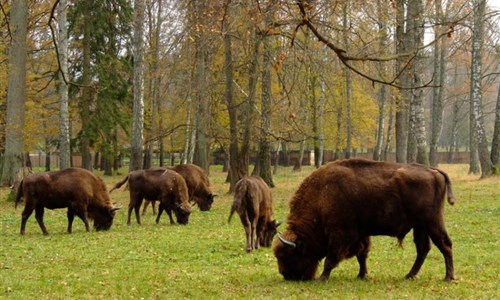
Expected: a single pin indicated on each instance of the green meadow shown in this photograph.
(206, 259)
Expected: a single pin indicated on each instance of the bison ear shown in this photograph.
(277, 224)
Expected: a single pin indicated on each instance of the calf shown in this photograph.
(83, 193)
(254, 204)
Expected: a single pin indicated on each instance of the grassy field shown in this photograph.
(206, 259)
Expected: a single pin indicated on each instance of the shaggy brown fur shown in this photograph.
(165, 185)
(83, 193)
(254, 204)
(340, 205)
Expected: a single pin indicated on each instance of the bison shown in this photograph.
(83, 193)
(165, 185)
(254, 204)
(340, 205)
(197, 183)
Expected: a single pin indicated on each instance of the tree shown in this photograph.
(62, 45)
(138, 109)
(495, 144)
(417, 116)
(382, 92)
(476, 112)
(13, 159)
(439, 85)
(348, 80)
(402, 99)
(200, 85)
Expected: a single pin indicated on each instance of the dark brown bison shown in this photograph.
(197, 183)
(340, 205)
(254, 204)
(165, 185)
(83, 193)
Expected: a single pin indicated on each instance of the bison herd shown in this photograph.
(332, 216)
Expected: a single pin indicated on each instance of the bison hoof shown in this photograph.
(323, 278)
(449, 278)
(410, 276)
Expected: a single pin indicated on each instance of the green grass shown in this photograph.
(206, 258)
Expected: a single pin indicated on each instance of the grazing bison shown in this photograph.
(165, 185)
(197, 183)
(254, 203)
(83, 193)
(340, 205)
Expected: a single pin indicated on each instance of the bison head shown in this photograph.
(182, 213)
(268, 233)
(295, 262)
(205, 203)
(103, 217)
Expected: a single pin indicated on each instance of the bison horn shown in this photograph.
(286, 242)
(115, 208)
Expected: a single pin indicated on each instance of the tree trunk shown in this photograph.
(438, 89)
(495, 144)
(382, 92)
(200, 87)
(16, 93)
(136, 159)
(389, 132)
(348, 84)
(234, 172)
(264, 143)
(402, 99)
(62, 45)
(476, 109)
(87, 94)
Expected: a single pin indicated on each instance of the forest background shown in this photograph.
(116, 81)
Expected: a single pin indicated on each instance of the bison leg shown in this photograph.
(362, 254)
(331, 261)
(423, 245)
(28, 210)
(134, 204)
(153, 205)
(71, 217)
(169, 213)
(160, 211)
(248, 232)
(441, 239)
(82, 214)
(39, 210)
(144, 207)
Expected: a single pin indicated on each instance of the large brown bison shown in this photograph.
(254, 204)
(165, 185)
(340, 205)
(83, 193)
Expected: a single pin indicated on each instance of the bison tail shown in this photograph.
(19, 194)
(119, 184)
(234, 207)
(449, 191)
(240, 191)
